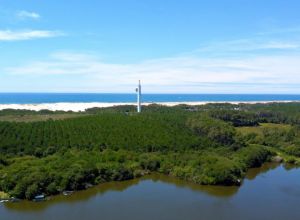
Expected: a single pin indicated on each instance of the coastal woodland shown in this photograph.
(50, 152)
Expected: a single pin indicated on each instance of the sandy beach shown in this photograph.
(77, 107)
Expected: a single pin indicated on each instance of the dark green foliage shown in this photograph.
(32, 191)
(146, 132)
(52, 189)
(198, 143)
(285, 138)
(293, 150)
(150, 163)
(275, 112)
(237, 118)
(3, 161)
(220, 170)
(214, 129)
(253, 156)
(202, 168)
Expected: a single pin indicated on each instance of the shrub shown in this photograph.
(292, 150)
(214, 129)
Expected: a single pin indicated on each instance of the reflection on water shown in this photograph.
(161, 197)
(252, 173)
(83, 195)
(219, 191)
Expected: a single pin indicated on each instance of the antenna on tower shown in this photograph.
(139, 96)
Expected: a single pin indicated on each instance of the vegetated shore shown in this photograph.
(77, 106)
(213, 144)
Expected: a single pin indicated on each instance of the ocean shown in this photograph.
(38, 98)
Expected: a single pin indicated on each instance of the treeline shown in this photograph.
(19, 112)
(209, 144)
(286, 113)
(76, 169)
(144, 133)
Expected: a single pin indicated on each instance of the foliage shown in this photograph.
(208, 144)
(214, 129)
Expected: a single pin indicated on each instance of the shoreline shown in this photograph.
(82, 106)
(67, 194)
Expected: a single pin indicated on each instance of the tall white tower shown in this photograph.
(139, 97)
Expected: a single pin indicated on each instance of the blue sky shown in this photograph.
(184, 46)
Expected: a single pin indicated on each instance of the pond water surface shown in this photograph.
(269, 192)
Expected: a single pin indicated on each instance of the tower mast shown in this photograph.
(139, 97)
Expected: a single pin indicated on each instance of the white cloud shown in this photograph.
(280, 30)
(248, 46)
(9, 35)
(189, 74)
(26, 14)
(280, 45)
(239, 66)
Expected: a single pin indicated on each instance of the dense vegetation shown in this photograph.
(209, 144)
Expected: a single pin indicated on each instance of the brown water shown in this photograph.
(268, 192)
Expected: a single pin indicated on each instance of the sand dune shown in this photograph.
(76, 107)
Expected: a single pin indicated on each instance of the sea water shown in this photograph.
(36, 98)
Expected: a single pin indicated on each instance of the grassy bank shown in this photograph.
(4, 195)
(38, 117)
(281, 139)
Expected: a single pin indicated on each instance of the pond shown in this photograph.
(269, 192)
